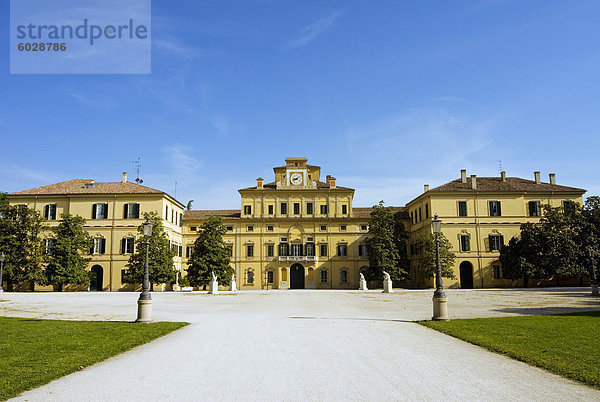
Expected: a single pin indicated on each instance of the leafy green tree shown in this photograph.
(160, 255)
(588, 235)
(66, 264)
(521, 257)
(20, 229)
(386, 244)
(210, 254)
(425, 258)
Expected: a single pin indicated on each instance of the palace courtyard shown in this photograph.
(306, 345)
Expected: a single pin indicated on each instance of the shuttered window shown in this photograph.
(496, 242)
(131, 211)
(127, 245)
(99, 246)
(465, 243)
(50, 212)
(100, 211)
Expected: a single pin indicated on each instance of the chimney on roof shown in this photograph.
(259, 183)
(474, 182)
(552, 178)
(463, 175)
(425, 188)
(332, 182)
(124, 178)
(503, 175)
(537, 177)
(328, 178)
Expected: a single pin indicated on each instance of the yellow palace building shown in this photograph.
(301, 230)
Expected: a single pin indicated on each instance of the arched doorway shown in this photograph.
(96, 277)
(466, 275)
(297, 276)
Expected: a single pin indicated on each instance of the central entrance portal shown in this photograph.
(297, 276)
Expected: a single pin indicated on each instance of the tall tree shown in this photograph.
(20, 229)
(386, 244)
(521, 257)
(210, 254)
(160, 255)
(425, 263)
(66, 264)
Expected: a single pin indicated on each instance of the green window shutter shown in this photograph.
(94, 211)
(499, 209)
(103, 246)
(501, 241)
(46, 208)
(125, 215)
(490, 243)
(123, 246)
(105, 211)
(136, 211)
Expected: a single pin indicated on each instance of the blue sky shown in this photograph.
(386, 96)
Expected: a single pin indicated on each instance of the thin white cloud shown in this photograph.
(312, 31)
(221, 124)
(181, 160)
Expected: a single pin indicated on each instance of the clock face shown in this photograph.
(296, 178)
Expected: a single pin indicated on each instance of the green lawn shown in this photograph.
(35, 352)
(567, 345)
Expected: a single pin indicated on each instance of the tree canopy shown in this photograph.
(210, 254)
(425, 258)
(160, 255)
(66, 264)
(386, 244)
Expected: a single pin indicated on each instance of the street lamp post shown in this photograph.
(440, 306)
(145, 300)
(594, 279)
(1, 268)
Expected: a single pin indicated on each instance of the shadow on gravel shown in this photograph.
(351, 319)
(551, 310)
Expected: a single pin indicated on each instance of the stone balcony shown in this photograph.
(297, 258)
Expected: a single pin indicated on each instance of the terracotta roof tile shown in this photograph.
(362, 212)
(496, 184)
(207, 213)
(88, 186)
(320, 186)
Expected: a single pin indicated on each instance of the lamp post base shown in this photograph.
(440, 309)
(144, 311)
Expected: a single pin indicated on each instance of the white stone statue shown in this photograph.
(233, 285)
(214, 285)
(387, 283)
(362, 283)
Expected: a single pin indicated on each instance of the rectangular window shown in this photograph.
(420, 217)
(343, 228)
(497, 271)
(49, 244)
(534, 208)
(362, 250)
(344, 209)
(270, 250)
(567, 207)
(100, 211)
(99, 246)
(50, 212)
(344, 276)
(323, 209)
(250, 250)
(131, 211)
(180, 250)
(309, 248)
(496, 241)
(426, 211)
(495, 208)
(270, 277)
(309, 208)
(247, 209)
(269, 228)
(296, 208)
(363, 227)
(193, 228)
(270, 209)
(283, 208)
(462, 208)
(167, 213)
(180, 219)
(230, 228)
(342, 250)
(323, 227)
(283, 249)
(188, 251)
(250, 228)
(296, 250)
(465, 243)
(323, 250)
(127, 244)
(323, 276)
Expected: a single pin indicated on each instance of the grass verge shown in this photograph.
(567, 345)
(35, 352)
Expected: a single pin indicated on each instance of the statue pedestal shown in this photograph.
(363, 285)
(387, 287)
(233, 286)
(214, 288)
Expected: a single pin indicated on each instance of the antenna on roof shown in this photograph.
(138, 163)
(499, 165)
